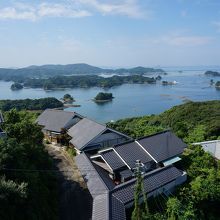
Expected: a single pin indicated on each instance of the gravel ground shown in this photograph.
(75, 201)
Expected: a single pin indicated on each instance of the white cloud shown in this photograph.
(73, 9)
(60, 10)
(20, 11)
(15, 14)
(129, 8)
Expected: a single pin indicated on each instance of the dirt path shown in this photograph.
(75, 202)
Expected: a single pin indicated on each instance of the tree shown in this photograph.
(139, 213)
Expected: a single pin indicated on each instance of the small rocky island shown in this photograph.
(217, 85)
(103, 97)
(67, 99)
(16, 86)
(212, 73)
(165, 83)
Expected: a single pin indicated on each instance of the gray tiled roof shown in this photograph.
(130, 152)
(152, 181)
(95, 177)
(112, 159)
(55, 120)
(100, 210)
(162, 146)
(117, 210)
(109, 201)
(85, 131)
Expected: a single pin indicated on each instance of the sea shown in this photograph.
(132, 100)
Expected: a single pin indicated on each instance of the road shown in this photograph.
(75, 201)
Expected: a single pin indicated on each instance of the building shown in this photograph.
(55, 124)
(110, 173)
(90, 136)
(213, 147)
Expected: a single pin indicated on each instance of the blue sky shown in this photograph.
(110, 33)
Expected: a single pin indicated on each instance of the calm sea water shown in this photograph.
(130, 100)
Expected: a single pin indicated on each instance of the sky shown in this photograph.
(110, 33)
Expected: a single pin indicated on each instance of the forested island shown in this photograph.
(16, 86)
(217, 85)
(103, 97)
(199, 197)
(212, 73)
(86, 81)
(30, 104)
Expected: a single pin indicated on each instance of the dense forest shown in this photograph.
(85, 81)
(199, 197)
(27, 189)
(46, 71)
(30, 104)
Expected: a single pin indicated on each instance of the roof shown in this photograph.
(109, 201)
(162, 146)
(112, 159)
(130, 152)
(85, 131)
(152, 181)
(95, 177)
(213, 147)
(55, 120)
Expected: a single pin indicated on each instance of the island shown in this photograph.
(86, 81)
(212, 73)
(103, 97)
(165, 83)
(217, 85)
(67, 99)
(16, 86)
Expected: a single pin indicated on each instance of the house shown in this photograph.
(55, 124)
(213, 147)
(110, 173)
(90, 136)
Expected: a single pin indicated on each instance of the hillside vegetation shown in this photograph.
(30, 104)
(27, 189)
(193, 121)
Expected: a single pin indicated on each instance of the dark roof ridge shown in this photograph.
(161, 132)
(144, 176)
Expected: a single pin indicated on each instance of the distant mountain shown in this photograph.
(50, 70)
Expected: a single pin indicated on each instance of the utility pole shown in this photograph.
(139, 191)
